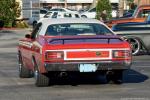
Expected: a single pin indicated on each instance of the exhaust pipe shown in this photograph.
(109, 73)
(63, 74)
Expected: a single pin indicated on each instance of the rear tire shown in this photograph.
(23, 71)
(116, 77)
(41, 80)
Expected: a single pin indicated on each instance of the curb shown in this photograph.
(13, 29)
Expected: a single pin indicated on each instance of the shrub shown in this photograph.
(101, 6)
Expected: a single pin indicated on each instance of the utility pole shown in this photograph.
(65, 3)
(94, 3)
(121, 7)
(139, 2)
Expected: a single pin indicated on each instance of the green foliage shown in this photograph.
(131, 1)
(101, 6)
(22, 24)
(9, 11)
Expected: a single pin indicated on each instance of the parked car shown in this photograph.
(37, 16)
(136, 33)
(63, 10)
(51, 15)
(61, 15)
(83, 10)
(139, 15)
(91, 13)
(43, 12)
(60, 46)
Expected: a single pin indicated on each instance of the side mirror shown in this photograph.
(28, 36)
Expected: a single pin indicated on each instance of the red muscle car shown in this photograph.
(72, 45)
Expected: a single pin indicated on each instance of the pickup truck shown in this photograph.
(136, 33)
(139, 15)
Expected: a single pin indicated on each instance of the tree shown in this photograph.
(101, 6)
(10, 10)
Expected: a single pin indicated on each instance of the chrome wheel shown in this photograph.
(36, 74)
(135, 45)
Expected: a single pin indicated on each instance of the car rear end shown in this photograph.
(87, 54)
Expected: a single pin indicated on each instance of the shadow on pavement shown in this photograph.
(130, 76)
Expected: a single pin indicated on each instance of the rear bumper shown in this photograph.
(117, 65)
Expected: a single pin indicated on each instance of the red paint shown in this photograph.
(88, 54)
(39, 51)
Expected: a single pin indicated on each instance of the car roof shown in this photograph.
(46, 22)
(69, 20)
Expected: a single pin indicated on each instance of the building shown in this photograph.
(142, 2)
(72, 4)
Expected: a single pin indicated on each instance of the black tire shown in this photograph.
(116, 77)
(41, 80)
(135, 45)
(23, 71)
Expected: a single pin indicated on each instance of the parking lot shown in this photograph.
(135, 87)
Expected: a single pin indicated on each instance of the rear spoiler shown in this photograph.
(88, 39)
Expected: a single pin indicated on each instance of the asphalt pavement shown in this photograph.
(136, 84)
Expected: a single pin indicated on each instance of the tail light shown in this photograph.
(50, 56)
(121, 54)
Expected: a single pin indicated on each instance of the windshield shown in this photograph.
(47, 15)
(77, 29)
(135, 11)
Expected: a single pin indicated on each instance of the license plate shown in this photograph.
(87, 67)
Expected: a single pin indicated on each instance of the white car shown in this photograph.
(91, 13)
(63, 10)
(52, 15)
(38, 14)
(61, 15)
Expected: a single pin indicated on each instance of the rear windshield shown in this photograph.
(77, 29)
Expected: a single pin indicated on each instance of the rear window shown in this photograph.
(77, 29)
